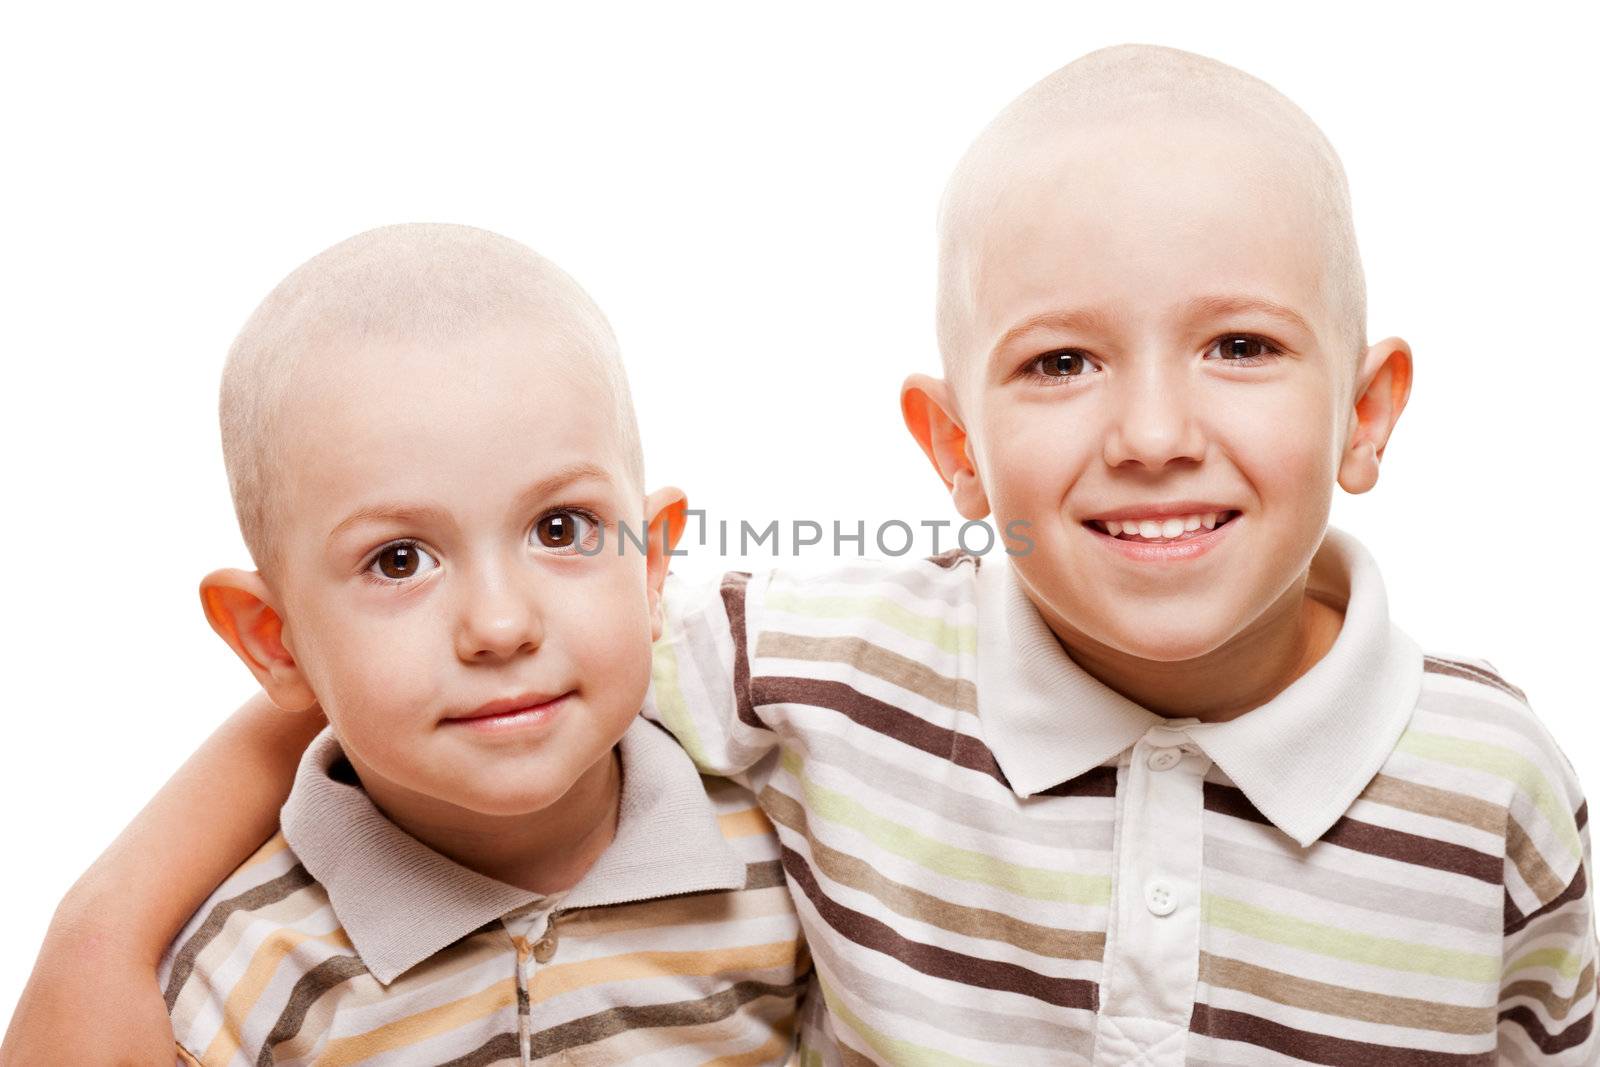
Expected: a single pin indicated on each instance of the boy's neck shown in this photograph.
(546, 851)
(1246, 672)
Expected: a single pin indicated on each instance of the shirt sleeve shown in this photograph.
(700, 680)
(1547, 987)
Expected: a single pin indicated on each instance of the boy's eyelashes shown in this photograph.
(1246, 349)
(1060, 365)
(400, 561)
(559, 531)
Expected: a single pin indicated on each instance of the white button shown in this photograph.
(1160, 897)
(1164, 759)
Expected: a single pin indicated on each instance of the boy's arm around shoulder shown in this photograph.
(1547, 1009)
(111, 929)
(700, 678)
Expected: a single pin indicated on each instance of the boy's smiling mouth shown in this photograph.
(1162, 524)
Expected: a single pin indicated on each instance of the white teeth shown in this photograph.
(1161, 529)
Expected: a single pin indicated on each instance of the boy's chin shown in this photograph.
(1158, 640)
(500, 802)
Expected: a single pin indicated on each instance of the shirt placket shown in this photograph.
(1153, 937)
(535, 939)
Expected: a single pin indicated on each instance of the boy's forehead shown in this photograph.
(389, 333)
(1131, 202)
(1146, 142)
(434, 414)
(1147, 200)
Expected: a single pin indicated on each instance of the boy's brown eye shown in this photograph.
(400, 561)
(403, 560)
(556, 531)
(561, 529)
(1242, 348)
(1061, 364)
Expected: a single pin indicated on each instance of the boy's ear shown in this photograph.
(928, 406)
(666, 512)
(238, 606)
(1383, 385)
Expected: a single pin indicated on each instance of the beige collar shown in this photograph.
(401, 902)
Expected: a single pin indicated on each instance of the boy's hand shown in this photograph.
(87, 1002)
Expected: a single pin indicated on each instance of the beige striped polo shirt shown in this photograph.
(344, 940)
(998, 860)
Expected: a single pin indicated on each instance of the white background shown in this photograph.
(749, 192)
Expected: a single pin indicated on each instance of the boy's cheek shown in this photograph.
(612, 650)
(385, 673)
(1030, 486)
(604, 635)
(1031, 452)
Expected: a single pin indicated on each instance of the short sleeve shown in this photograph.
(700, 678)
(1548, 982)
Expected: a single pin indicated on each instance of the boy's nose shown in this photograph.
(498, 620)
(1154, 422)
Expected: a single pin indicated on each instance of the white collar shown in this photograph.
(1301, 758)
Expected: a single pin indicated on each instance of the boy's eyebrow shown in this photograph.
(1099, 320)
(561, 478)
(1089, 320)
(549, 485)
(1213, 306)
(403, 514)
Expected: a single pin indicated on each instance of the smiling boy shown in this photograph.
(1135, 207)
(1169, 787)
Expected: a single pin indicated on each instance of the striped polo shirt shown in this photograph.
(999, 860)
(345, 940)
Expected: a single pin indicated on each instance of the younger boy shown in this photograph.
(1168, 786)
(487, 857)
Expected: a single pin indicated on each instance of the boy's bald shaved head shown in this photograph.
(1127, 84)
(414, 283)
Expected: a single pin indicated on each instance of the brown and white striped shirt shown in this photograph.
(997, 859)
(345, 940)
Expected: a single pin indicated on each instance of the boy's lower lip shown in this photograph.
(1190, 546)
(515, 720)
